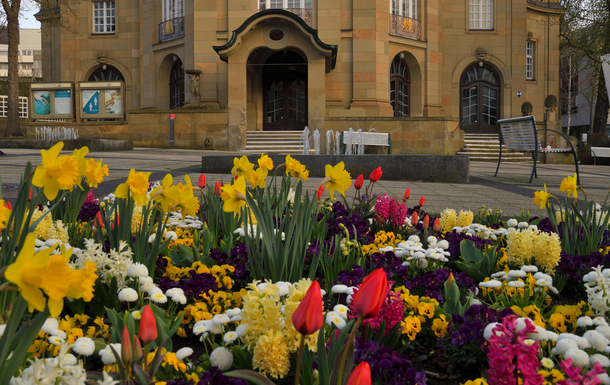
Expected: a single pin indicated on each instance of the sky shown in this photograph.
(28, 20)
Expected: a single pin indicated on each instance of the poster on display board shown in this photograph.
(63, 102)
(91, 102)
(101, 100)
(42, 102)
(113, 102)
(51, 101)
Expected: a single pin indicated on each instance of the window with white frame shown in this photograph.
(172, 9)
(103, 17)
(284, 4)
(481, 14)
(529, 60)
(404, 8)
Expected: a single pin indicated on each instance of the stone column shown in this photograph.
(434, 59)
(204, 57)
(237, 105)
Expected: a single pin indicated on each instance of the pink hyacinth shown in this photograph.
(90, 197)
(398, 212)
(391, 311)
(382, 207)
(575, 378)
(510, 358)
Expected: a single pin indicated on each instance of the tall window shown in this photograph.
(529, 60)
(400, 87)
(172, 9)
(103, 17)
(284, 4)
(481, 14)
(404, 8)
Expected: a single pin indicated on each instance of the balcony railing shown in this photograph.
(405, 27)
(303, 13)
(171, 29)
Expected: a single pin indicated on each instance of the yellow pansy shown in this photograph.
(5, 213)
(56, 172)
(541, 198)
(569, 184)
(426, 309)
(439, 326)
(337, 179)
(557, 321)
(166, 194)
(95, 172)
(137, 184)
(234, 196)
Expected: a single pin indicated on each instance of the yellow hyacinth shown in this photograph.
(234, 196)
(271, 355)
(448, 219)
(95, 172)
(569, 184)
(137, 184)
(5, 213)
(541, 198)
(464, 218)
(337, 179)
(56, 172)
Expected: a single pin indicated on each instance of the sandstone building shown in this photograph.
(413, 68)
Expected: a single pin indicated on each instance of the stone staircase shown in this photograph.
(486, 148)
(274, 142)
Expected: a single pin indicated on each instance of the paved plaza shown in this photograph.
(509, 192)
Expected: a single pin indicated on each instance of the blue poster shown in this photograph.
(42, 102)
(91, 102)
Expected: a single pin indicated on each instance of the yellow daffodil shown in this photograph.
(242, 167)
(137, 184)
(79, 156)
(56, 282)
(541, 198)
(166, 194)
(234, 196)
(257, 178)
(265, 162)
(5, 213)
(337, 179)
(187, 184)
(82, 282)
(189, 205)
(56, 172)
(569, 184)
(296, 169)
(95, 172)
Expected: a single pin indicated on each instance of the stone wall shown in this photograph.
(438, 136)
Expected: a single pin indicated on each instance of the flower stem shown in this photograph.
(299, 359)
(350, 340)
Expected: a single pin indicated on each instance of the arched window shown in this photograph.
(479, 99)
(106, 73)
(176, 85)
(400, 87)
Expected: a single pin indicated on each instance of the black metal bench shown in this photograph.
(520, 134)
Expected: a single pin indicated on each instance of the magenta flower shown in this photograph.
(575, 378)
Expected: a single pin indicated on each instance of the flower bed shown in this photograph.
(262, 282)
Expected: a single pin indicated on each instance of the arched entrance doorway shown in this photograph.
(479, 99)
(176, 85)
(106, 73)
(285, 92)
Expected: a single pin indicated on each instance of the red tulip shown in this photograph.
(359, 182)
(117, 220)
(320, 192)
(375, 175)
(426, 221)
(148, 326)
(201, 182)
(8, 205)
(406, 195)
(30, 197)
(308, 317)
(361, 375)
(371, 294)
(437, 225)
(217, 188)
(422, 200)
(126, 355)
(98, 220)
(414, 219)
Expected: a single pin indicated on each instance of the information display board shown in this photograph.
(52, 101)
(101, 100)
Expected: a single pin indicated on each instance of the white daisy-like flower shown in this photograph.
(432, 240)
(491, 284)
(335, 319)
(136, 315)
(171, 235)
(579, 357)
(512, 222)
(547, 363)
(544, 282)
(488, 332)
(552, 335)
(563, 346)
(284, 288)
(522, 324)
(222, 358)
(604, 378)
(516, 284)
(173, 291)
(600, 321)
(229, 337)
(145, 280)
(414, 238)
(128, 295)
(523, 225)
(529, 268)
(517, 274)
(338, 289)
(540, 335)
(179, 298)
(68, 360)
(84, 346)
(341, 310)
(444, 244)
(59, 333)
(154, 290)
(56, 340)
(183, 353)
(603, 360)
(596, 340)
(200, 329)
(233, 312)
(49, 325)
(137, 270)
(499, 274)
(158, 298)
(603, 329)
(152, 237)
(241, 329)
(2, 328)
(221, 319)
(107, 355)
(237, 318)
(584, 321)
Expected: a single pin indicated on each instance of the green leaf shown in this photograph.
(469, 251)
(250, 376)
(475, 274)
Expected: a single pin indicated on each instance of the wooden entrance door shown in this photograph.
(480, 100)
(176, 85)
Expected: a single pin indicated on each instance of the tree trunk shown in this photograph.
(12, 114)
(600, 118)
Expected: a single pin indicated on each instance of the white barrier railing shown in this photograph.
(23, 106)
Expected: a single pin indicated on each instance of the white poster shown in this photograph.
(63, 102)
(113, 102)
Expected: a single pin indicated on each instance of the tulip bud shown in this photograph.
(422, 200)
(320, 192)
(361, 375)
(406, 195)
(449, 280)
(437, 224)
(201, 182)
(414, 218)
(371, 294)
(30, 197)
(98, 220)
(217, 188)
(148, 326)
(308, 318)
(426, 222)
(126, 352)
(375, 175)
(117, 220)
(8, 205)
(137, 349)
(359, 182)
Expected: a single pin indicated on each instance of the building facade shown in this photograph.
(414, 68)
(30, 55)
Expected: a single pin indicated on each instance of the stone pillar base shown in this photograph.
(373, 107)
